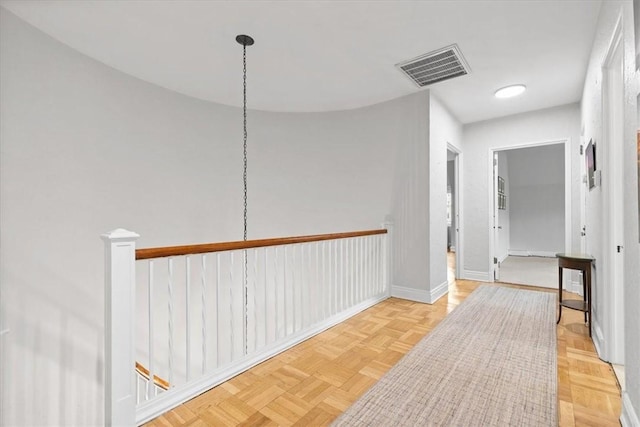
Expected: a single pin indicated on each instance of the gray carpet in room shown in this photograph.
(491, 362)
(530, 270)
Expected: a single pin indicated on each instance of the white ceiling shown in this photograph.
(322, 55)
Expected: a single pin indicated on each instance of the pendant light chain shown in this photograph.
(245, 41)
(244, 112)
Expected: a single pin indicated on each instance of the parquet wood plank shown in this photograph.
(286, 409)
(236, 408)
(258, 420)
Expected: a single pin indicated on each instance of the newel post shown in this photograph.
(388, 225)
(119, 304)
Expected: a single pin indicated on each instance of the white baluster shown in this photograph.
(203, 311)
(119, 292)
(378, 254)
(347, 273)
(276, 335)
(379, 264)
(304, 312)
(170, 313)
(266, 304)
(284, 299)
(150, 388)
(317, 288)
(345, 257)
(255, 300)
(352, 271)
(336, 286)
(231, 332)
(359, 266)
(343, 275)
(388, 256)
(187, 261)
(217, 305)
(367, 272)
(323, 282)
(245, 303)
(372, 264)
(294, 285)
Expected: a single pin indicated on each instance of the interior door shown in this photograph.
(496, 225)
(583, 200)
(613, 153)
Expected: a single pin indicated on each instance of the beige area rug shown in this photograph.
(491, 362)
(530, 270)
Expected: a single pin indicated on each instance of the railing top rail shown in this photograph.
(168, 251)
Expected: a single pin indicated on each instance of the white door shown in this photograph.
(583, 200)
(456, 215)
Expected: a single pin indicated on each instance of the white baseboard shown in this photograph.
(546, 254)
(597, 337)
(417, 295)
(628, 416)
(439, 291)
(181, 393)
(479, 276)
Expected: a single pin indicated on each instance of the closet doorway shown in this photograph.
(454, 258)
(530, 200)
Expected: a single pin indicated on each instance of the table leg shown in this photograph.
(584, 290)
(559, 294)
(588, 295)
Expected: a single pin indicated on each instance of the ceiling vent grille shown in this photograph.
(436, 66)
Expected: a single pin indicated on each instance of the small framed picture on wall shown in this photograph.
(591, 163)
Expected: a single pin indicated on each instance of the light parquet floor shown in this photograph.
(314, 382)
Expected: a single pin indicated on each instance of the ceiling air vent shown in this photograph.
(436, 66)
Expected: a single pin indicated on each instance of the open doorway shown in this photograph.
(530, 202)
(453, 215)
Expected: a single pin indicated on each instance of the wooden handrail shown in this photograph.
(249, 244)
(162, 383)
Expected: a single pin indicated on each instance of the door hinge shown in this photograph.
(581, 149)
(619, 248)
(495, 260)
(495, 162)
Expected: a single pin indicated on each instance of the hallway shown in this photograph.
(312, 383)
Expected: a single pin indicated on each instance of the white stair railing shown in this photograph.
(204, 313)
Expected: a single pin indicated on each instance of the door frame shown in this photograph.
(610, 345)
(458, 233)
(495, 214)
(567, 199)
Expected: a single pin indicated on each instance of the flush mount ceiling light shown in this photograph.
(510, 91)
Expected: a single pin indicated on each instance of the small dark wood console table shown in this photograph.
(582, 262)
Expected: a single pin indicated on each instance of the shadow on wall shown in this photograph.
(58, 352)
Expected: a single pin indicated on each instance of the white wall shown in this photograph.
(443, 128)
(544, 125)
(86, 149)
(504, 215)
(610, 13)
(636, 13)
(537, 189)
(419, 206)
